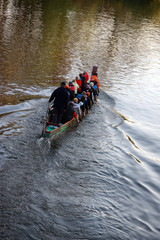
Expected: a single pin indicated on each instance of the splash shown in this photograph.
(44, 145)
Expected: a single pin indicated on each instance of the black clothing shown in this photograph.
(57, 115)
(91, 94)
(61, 98)
(68, 114)
(72, 95)
(82, 83)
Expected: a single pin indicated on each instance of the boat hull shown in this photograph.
(54, 130)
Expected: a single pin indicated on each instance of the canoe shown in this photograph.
(53, 130)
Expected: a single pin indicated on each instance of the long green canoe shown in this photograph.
(51, 130)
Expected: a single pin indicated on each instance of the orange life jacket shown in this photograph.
(95, 79)
(66, 86)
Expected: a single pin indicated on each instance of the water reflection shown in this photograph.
(21, 33)
(144, 8)
(45, 42)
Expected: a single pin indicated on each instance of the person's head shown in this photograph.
(70, 83)
(63, 84)
(82, 98)
(75, 100)
(86, 86)
(91, 84)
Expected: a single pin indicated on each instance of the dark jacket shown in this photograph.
(83, 83)
(68, 114)
(60, 97)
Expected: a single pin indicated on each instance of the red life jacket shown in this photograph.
(85, 74)
(79, 84)
(72, 87)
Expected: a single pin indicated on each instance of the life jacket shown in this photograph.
(95, 79)
(79, 84)
(85, 74)
(72, 87)
(66, 86)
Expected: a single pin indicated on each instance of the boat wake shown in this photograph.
(44, 145)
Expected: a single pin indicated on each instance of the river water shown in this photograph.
(101, 180)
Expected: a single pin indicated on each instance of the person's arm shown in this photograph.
(52, 97)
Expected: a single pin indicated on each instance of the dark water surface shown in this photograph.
(101, 180)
